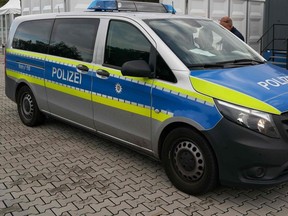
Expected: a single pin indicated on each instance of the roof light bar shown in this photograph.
(103, 5)
(133, 6)
(170, 8)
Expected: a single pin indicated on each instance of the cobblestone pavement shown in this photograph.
(56, 169)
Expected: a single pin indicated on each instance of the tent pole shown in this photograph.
(11, 17)
(52, 6)
(6, 29)
(2, 31)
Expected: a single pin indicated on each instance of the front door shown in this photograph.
(122, 105)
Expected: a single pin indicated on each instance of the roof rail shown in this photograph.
(133, 6)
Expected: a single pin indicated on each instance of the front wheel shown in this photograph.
(189, 161)
(27, 107)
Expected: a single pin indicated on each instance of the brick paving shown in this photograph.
(57, 169)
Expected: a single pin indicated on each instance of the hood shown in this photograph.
(262, 87)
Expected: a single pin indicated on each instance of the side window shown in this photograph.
(163, 71)
(125, 43)
(74, 38)
(33, 36)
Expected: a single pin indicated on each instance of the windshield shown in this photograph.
(203, 43)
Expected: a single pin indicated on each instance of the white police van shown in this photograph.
(183, 90)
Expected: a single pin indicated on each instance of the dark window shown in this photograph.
(74, 38)
(33, 36)
(163, 71)
(125, 43)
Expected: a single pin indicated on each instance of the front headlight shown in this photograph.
(255, 120)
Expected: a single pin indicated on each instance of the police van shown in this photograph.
(183, 90)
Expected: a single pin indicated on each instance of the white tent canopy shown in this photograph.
(11, 7)
(7, 13)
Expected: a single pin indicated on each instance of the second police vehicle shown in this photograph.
(183, 90)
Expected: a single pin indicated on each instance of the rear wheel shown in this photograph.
(189, 161)
(28, 109)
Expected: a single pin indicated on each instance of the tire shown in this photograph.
(27, 107)
(189, 161)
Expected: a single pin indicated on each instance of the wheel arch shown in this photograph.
(194, 173)
(19, 86)
(175, 125)
(27, 107)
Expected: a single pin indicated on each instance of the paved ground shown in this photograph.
(56, 169)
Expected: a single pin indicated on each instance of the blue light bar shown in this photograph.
(103, 5)
(170, 8)
(131, 6)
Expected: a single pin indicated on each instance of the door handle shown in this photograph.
(102, 74)
(82, 68)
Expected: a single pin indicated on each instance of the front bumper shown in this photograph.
(246, 157)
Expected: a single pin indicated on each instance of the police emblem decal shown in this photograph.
(118, 88)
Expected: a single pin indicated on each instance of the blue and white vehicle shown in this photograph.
(183, 90)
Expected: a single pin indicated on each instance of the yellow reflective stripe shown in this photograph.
(67, 61)
(182, 91)
(122, 105)
(28, 78)
(115, 72)
(160, 116)
(51, 58)
(232, 96)
(139, 110)
(26, 53)
(118, 74)
(68, 90)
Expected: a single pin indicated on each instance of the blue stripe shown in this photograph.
(108, 87)
(26, 66)
(64, 70)
(26, 60)
(205, 115)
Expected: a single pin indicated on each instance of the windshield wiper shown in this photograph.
(243, 62)
(226, 64)
(201, 66)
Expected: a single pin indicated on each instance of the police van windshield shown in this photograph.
(203, 43)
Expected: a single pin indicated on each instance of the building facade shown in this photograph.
(276, 25)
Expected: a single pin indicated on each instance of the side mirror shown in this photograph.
(136, 68)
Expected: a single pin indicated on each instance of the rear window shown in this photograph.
(33, 36)
(74, 38)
